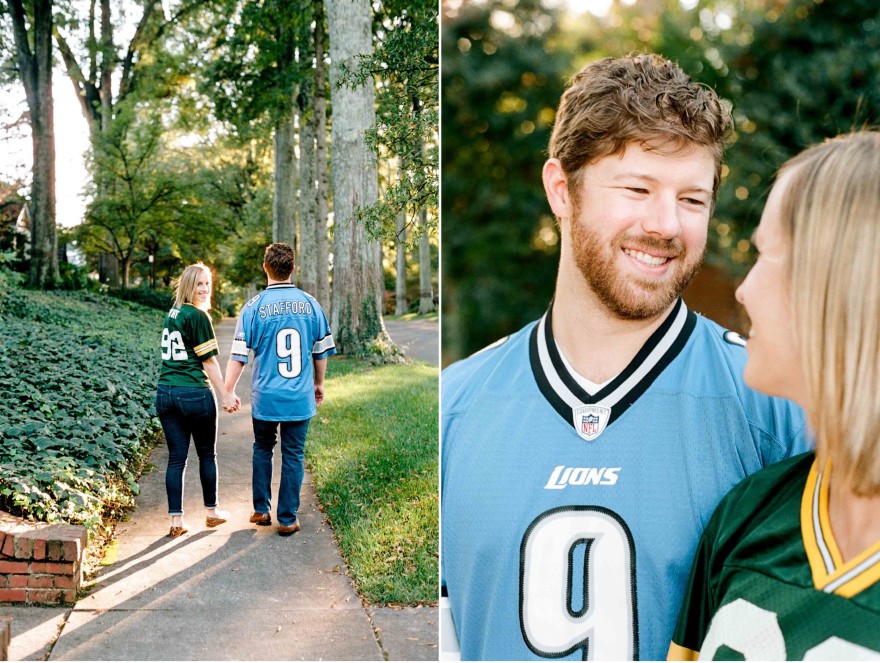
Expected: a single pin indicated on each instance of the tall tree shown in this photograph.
(284, 207)
(314, 250)
(91, 60)
(136, 194)
(401, 304)
(500, 91)
(426, 289)
(257, 61)
(35, 72)
(355, 308)
(406, 63)
(797, 73)
(322, 242)
(307, 259)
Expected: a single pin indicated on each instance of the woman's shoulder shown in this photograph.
(765, 491)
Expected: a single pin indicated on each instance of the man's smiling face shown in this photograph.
(638, 225)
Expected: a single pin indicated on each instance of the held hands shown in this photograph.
(231, 402)
(319, 394)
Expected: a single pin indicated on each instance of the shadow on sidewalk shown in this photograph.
(118, 571)
(216, 596)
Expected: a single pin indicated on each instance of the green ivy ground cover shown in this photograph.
(77, 377)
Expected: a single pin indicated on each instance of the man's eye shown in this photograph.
(694, 201)
(636, 189)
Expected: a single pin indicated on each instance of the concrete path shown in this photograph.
(235, 592)
(419, 339)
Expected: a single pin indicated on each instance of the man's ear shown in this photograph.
(556, 188)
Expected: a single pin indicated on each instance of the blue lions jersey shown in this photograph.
(286, 329)
(570, 520)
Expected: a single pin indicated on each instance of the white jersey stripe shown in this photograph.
(550, 372)
(618, 394)
(323, 345)
(852, 573)
(817, 528)
(662, 347)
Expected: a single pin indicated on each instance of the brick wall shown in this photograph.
(40, 563)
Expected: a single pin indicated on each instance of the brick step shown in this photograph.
(40, 562)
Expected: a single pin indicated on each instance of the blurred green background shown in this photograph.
(795, 72)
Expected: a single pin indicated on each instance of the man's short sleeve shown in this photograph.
(240, 347)
(324, 346)
(201, 332)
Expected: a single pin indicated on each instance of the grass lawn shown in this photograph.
(414, 316)
(373, 454)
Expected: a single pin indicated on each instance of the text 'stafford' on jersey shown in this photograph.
(286, 329)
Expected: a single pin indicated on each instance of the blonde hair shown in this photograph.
(185, 285)
(831, 210)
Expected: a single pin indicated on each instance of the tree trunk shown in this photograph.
(426, 291)
(355, 308)
(126, 272)
(308, 253)
(322, 241)
(36, 75)
(401, 304)
(283, 208)
(108, 64)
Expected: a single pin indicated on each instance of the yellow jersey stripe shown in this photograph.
(206, 347)
(865, 574)
(845, 579)
(808, 531)
(679, 653)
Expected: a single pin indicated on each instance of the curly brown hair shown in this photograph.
(644, 98)
(279, 261)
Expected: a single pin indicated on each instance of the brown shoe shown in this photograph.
(218, 518)
(262, 519)
(287, 530)
(177, 531)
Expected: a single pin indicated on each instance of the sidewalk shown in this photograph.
(419, 339)
(235, 592)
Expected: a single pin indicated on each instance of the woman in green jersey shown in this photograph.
(185, 402)
(789, 565)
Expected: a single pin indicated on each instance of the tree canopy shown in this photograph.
(210, 125)
(795, 72)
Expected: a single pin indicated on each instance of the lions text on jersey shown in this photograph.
(570, 519)
(286, 328)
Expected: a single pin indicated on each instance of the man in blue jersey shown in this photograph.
(290, 337)
(583, 455)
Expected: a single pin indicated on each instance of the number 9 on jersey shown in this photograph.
(577, 585)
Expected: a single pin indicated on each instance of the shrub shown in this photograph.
(158, 299)
(79, 373)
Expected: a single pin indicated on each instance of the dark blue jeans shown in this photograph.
(188, 412)
(293, 445)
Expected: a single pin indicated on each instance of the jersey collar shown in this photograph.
(589, 414)
(830, 573)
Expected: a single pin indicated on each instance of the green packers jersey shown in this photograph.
(769, 582)
(187, 340)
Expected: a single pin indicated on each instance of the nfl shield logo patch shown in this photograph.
(590, 420)
(589, 424)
